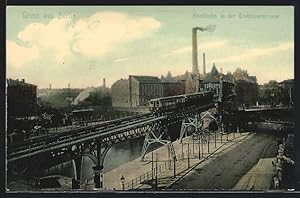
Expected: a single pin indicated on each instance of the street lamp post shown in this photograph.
(123, 182)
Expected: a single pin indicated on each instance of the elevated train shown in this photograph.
(172, 103)
(166, 104)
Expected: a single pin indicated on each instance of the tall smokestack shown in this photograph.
(69, 89)
(50, 86)
(103, 82)
(195, 53)
(204, 64)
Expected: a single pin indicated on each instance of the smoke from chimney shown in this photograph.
(209, 28)
(82, 95)
(204, 64)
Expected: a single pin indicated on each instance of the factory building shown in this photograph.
(136, 91)
(172, 88)
(21, 98)
(120, 93)
(144, 88)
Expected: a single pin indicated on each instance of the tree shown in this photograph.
(247, 92)
(271, 94)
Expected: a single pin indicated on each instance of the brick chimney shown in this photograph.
(195, 53)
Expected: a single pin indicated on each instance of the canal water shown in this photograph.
(117, 155)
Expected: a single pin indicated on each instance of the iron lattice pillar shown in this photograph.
(189, 122)
(155, 134)
(197, 122)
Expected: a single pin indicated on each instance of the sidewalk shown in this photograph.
(260, 177)
(138, 174)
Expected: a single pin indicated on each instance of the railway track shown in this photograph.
(88, 133)
(54, 137)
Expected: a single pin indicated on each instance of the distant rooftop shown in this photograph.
(212, 76)
(12, 82)
(146, 79)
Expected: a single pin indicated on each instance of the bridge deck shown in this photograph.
(87, 137)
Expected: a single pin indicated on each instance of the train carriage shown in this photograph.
(166, 104)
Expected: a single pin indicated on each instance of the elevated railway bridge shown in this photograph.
(95, 141)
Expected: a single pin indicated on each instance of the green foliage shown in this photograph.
(247, 92)
(272, 94)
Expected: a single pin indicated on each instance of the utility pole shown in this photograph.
(208, 142)
(156, 172)
(199, 153)
(152, 165)
(227, 136)
(182, 151)
(193, 144)
(188, 155)
(201, 142)
(215, 139)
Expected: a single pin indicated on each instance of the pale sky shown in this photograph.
(82, 45)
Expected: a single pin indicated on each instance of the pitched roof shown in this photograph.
(212, 76)
(182, 77)
(147, 79)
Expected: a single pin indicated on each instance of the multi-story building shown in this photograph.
(172, 88)
(21, 97)
(288, 92)
(211, 82)
(189, 82)
(144, 88)
(136, 91)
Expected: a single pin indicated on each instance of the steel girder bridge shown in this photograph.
(95, 141)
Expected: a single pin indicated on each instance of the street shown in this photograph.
(225, 171)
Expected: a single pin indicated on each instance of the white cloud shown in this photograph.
(202, 46)
(257, 52)
(91, 37)
(100, 33)
(19, 56)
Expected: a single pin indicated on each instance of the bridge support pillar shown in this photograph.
(151, 138)
(189, 122)
(197, 122)
(77, 162)
(98, 176)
